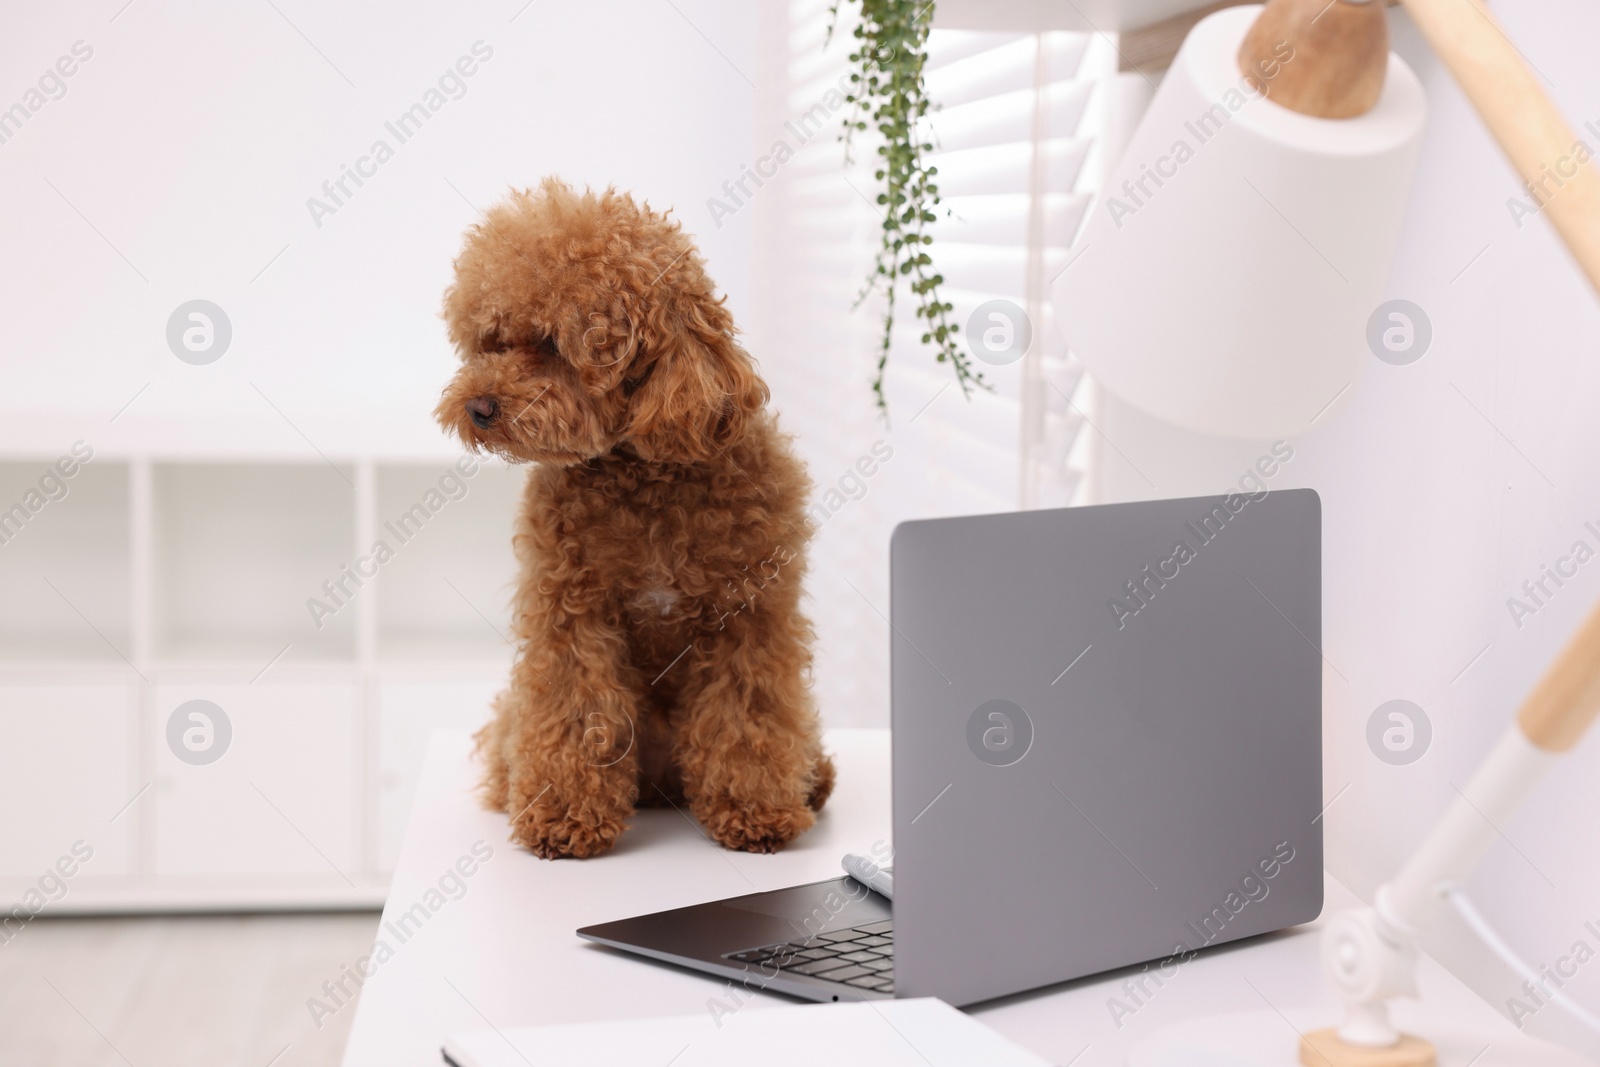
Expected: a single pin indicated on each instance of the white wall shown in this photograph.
(194, 135)
(1435, 513)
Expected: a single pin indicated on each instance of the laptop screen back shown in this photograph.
(1107, 737)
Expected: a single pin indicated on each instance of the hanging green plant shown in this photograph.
(888, 93)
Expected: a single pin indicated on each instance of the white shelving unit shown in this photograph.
(178, 566)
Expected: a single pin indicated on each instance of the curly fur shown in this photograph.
(662, 654)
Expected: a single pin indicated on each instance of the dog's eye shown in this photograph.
(546, 349)
(494, 343)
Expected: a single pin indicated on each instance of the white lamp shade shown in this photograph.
(1224, 281)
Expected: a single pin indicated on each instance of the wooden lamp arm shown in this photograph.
(1552, 720)
(1534, 136)
(1564, 702)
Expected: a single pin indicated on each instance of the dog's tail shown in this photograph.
(821, 782)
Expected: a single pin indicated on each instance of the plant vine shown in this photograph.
(888, 93)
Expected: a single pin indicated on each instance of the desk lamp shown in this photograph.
(1225, 282)
(1267, 240)
(1370, 954)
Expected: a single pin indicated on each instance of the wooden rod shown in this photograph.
(1564, 702)
(1521, 116)
(1325, 58)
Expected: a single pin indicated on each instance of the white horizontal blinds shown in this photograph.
(1008, 150)
(1057, 439)
(815, 225)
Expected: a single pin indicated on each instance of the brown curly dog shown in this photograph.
(662, 655)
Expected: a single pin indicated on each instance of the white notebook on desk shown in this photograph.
(890, 1033)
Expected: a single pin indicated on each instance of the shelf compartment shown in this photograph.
(445, 593)
(241, 552)
(65, 562)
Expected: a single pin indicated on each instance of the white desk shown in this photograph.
(504, 953)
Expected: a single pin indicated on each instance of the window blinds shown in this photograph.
(1014, 149)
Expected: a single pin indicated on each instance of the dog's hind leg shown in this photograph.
(821, 782)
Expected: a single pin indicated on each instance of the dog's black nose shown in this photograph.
(483, 409)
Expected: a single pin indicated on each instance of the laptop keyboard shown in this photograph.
(862, 956)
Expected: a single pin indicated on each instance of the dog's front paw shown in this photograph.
(754, 828)
(551, 831)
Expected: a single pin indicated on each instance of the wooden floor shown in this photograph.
(204, 991)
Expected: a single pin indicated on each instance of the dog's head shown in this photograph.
(585, 322)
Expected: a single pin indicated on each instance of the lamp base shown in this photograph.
(1322, 1048)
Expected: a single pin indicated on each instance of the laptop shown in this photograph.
(1107, 751)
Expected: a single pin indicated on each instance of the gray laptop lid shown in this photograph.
(1107, 737)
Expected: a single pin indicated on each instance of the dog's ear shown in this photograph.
(691, 389)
